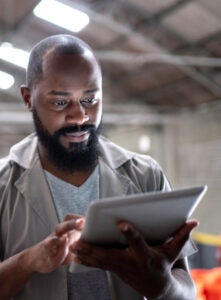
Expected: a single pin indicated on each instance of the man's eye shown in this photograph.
(89, 101)
(60, 103)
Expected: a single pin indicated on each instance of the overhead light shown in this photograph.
(61, 15)
(14, 55)
(6, 80)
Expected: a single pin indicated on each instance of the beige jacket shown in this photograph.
(27, 214)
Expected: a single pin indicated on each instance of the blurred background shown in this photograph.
(161, 62)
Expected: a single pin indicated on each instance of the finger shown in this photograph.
(98, 257)
(67, 226)
(73, 236)
(56, 249)
(80, 219)
(190, 223)
(181, 237)
(135, 240)
(184, 232)
(71, 217)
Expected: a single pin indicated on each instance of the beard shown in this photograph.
(77, 156)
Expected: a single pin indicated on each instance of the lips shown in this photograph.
(77, 137)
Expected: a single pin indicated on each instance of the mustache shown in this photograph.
(75, 128)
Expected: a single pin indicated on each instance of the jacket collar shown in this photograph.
(25, 153)
(112, 182)
(112, 154)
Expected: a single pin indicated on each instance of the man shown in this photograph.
(50, 177)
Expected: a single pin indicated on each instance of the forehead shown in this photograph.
(77, 69)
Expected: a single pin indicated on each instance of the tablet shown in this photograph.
(157, 215)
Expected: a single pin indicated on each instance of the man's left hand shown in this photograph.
(147, 269)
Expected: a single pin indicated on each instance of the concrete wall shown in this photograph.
(11, 134)
(193, 157)
(189, 149)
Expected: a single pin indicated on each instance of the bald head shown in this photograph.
(61, 44)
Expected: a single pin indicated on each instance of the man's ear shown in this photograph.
(26, 96)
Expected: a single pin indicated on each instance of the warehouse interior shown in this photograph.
(161, 63)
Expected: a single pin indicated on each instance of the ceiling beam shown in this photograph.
(146, 43)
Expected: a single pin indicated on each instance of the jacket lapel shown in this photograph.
(34, 188)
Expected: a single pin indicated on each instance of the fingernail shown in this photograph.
(79, 220)
(125, 228)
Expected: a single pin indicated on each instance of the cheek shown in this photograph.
(97, 115)
(55, 123)
(51, 121)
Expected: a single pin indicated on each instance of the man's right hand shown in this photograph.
(53, 251)
(44, 257)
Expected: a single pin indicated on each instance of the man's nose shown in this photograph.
(76, 114)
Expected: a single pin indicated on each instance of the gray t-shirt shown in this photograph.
(68, 198)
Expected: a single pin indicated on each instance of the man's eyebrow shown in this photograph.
(59, 93)
(92, 91)
(62, 93)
